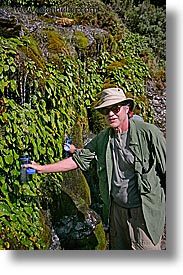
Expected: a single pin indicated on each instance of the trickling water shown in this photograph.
(24, 87)
(55, 245)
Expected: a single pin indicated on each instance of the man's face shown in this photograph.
(116, 115)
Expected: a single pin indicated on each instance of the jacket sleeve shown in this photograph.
(86, 155)
(160, 152)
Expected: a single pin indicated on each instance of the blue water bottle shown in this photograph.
(25, 172)
(67, 147)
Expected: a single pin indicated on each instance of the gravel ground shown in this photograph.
(158, 101)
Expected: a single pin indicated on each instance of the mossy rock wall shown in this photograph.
(77, 225)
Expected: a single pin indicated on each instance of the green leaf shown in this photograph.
(15, 173)
(1, 162)
(13, 84)
(8, 159)
(2, 85)
(4, 209)
(50, 152)
(13, 69)
(28, 210)
(6, 68)
(27, 191)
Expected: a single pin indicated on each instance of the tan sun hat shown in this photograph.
(112, 96)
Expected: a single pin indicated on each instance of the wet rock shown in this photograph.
(9, 26)
(73, 228)
(55, 245)
(76, 231)
(6, 19)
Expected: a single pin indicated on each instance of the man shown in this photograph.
(131, 170)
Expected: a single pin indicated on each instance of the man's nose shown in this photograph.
(111, 113)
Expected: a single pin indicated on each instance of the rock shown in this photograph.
(9, 26)
(157, 99)
(64, 21)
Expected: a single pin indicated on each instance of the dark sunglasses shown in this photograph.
(115, 109)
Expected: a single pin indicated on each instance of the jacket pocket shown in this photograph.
(147, 180)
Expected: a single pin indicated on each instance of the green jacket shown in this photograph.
(148, 146)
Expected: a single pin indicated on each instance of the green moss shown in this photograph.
(99, 122)
(80, 40)
(76, 188)
(115, 65)
(33, 51)
(56, 44)
(77, 133)
(45, 236)
(101, 238)
(75, 185)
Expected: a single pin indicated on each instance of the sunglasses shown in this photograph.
(115, 109)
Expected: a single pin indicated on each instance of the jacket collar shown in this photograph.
(134, 147)
(134, 144)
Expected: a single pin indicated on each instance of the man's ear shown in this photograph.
(127, 109)
(130, 114)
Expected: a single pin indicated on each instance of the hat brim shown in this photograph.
(129, 101)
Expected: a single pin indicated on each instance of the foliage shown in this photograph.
(147, 19)
(36, 115)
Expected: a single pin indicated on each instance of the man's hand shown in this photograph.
(60, 166)
(72, 148)
(34, 165)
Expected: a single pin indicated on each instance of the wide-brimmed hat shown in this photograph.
(112, 96)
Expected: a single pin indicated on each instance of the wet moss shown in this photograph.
(115, 65)
(80, 40)
(98, 122)
(32, 50)
(46, 233)
(77, 132)
(56, 44)
(75, 185)
(101, 238)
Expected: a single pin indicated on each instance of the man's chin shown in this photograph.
(113, 124)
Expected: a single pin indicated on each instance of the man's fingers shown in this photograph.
(32, 162)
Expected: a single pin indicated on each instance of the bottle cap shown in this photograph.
(67, 147)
